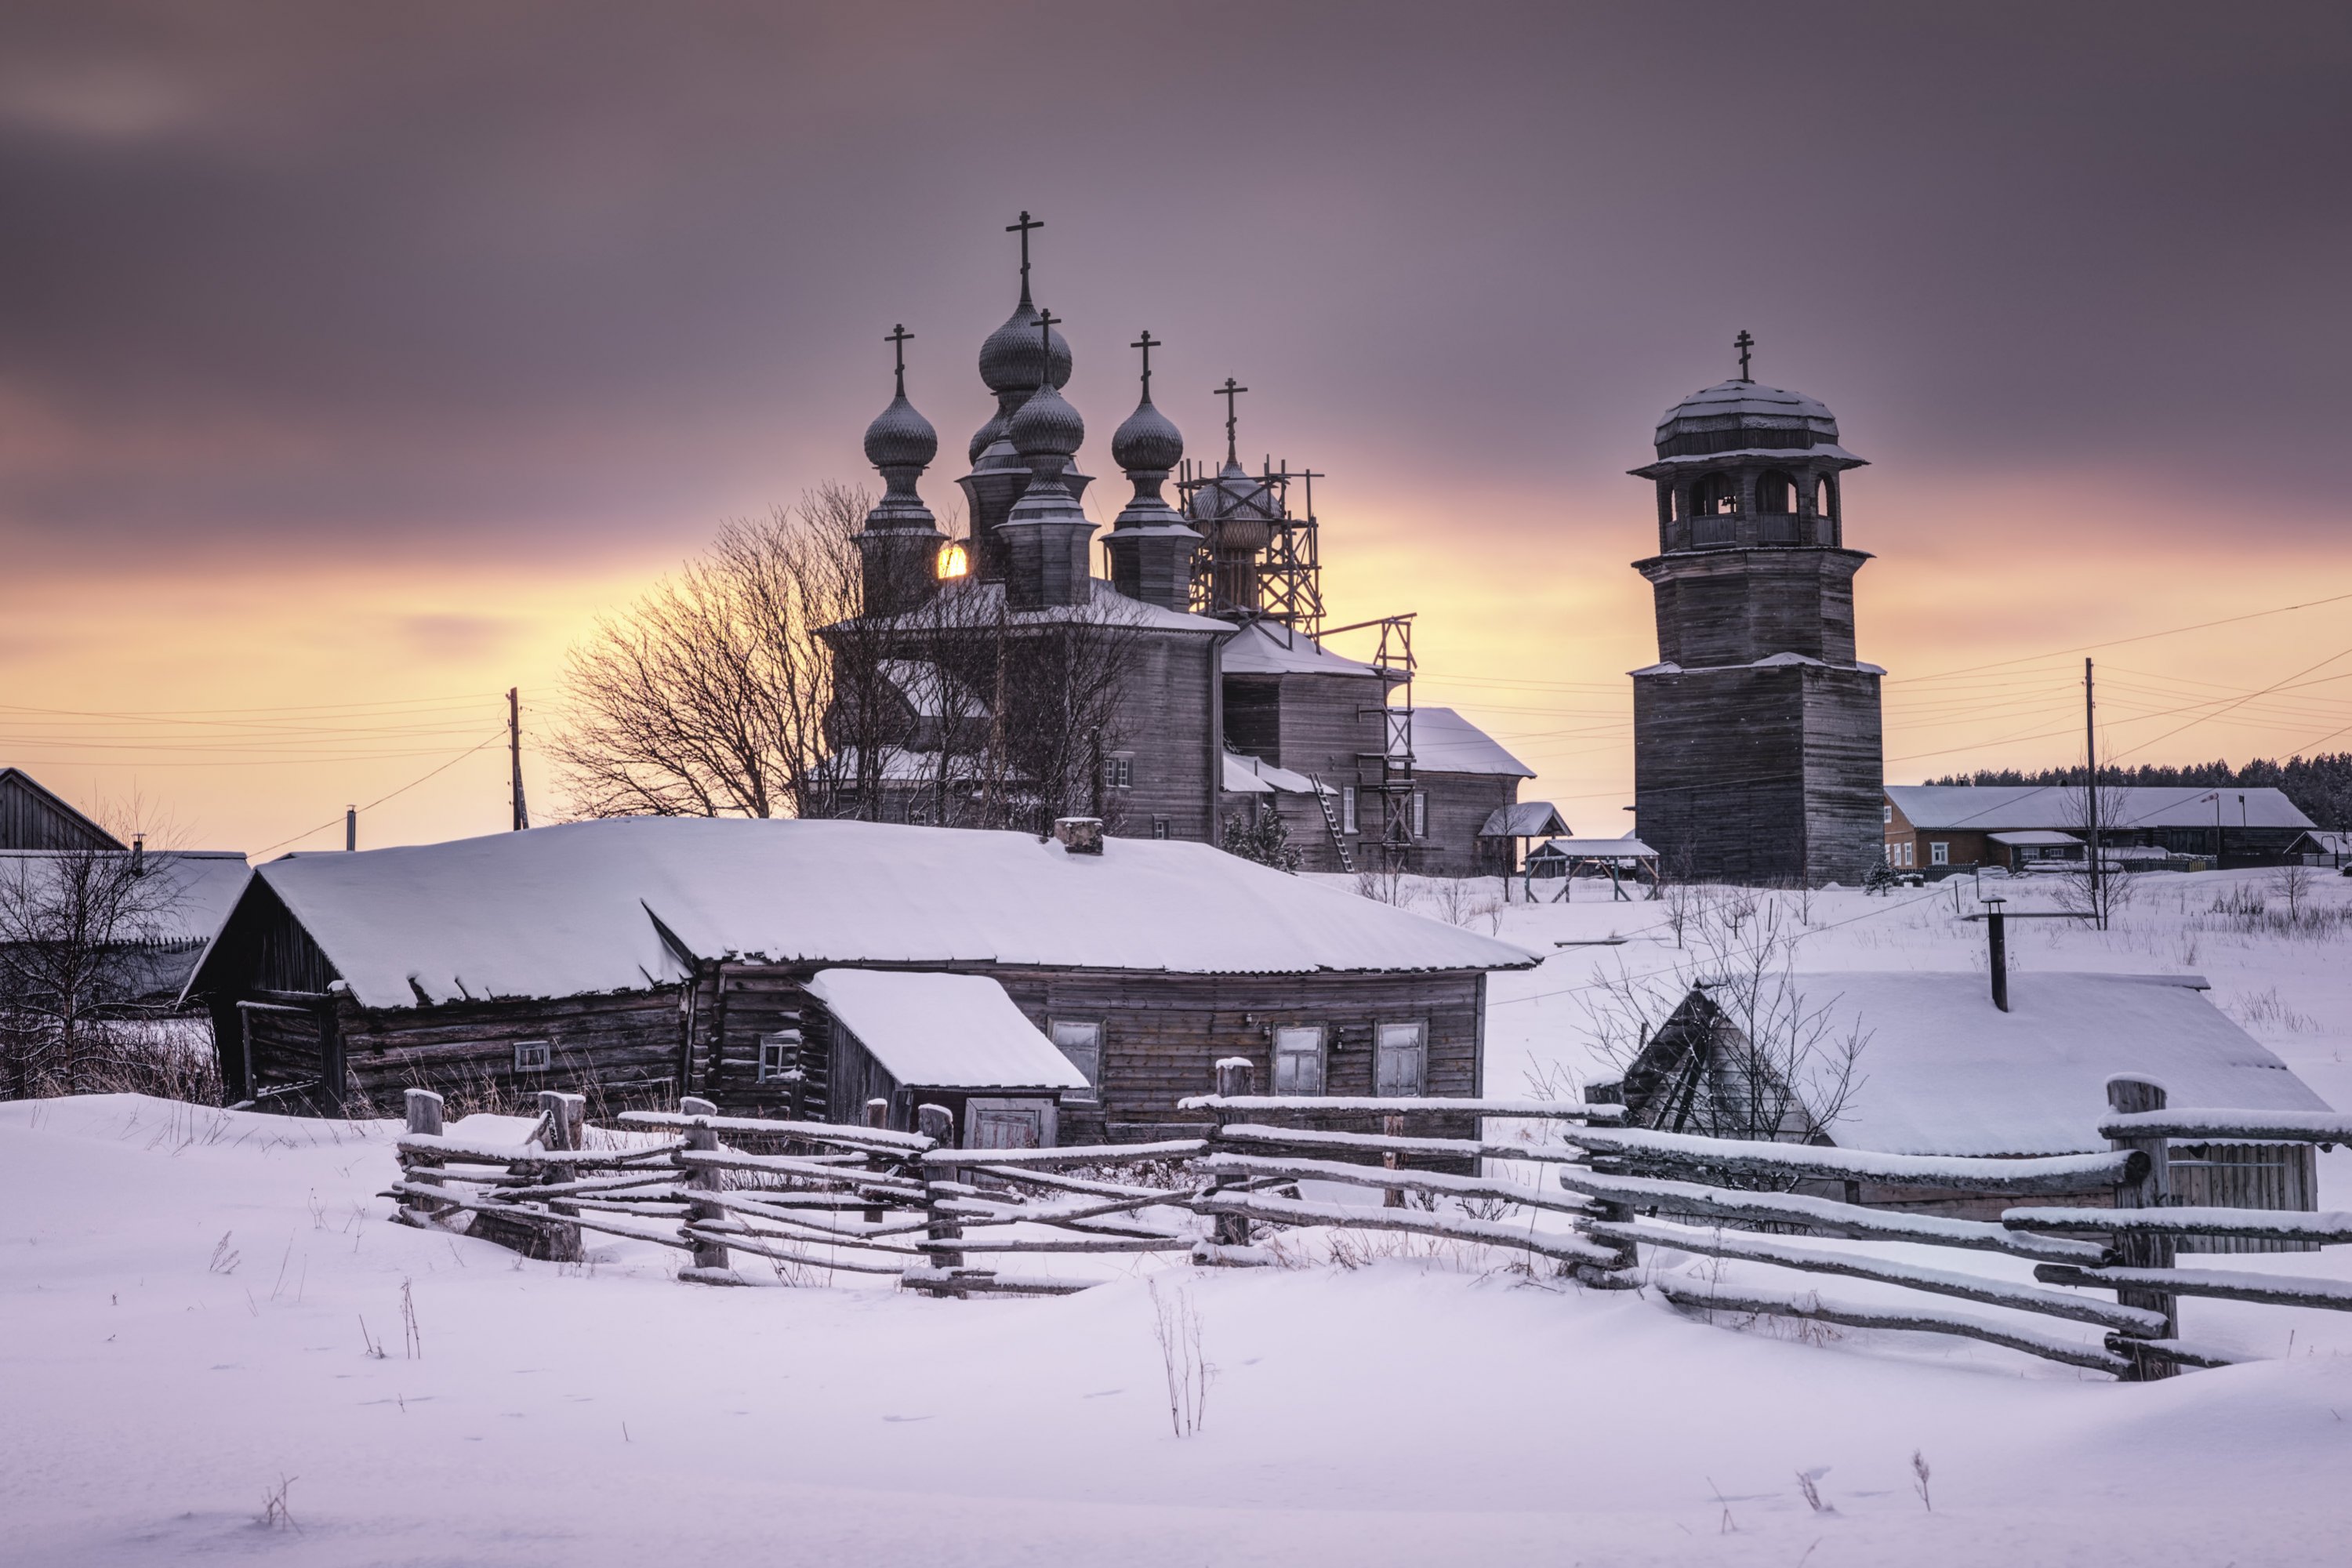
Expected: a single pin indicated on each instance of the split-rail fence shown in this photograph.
(811, 1198)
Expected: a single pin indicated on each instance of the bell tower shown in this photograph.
(1757, 751)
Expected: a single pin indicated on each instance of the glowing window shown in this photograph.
(954, 561)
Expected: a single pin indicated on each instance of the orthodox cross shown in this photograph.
(897, 340)
(1022, 228)
(1147, 342)
(1046, 322)
(1743, 342)
(1229, 392)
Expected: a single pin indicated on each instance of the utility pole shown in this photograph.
(2091, 796)
(514, 754)
(350, 829)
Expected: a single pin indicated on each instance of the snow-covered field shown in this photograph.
(182, 1293)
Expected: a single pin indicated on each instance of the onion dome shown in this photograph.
(1012, 358)
(900, 438)
(1233, 496)
(1148, 441)
(987, 436)
(1047, 427)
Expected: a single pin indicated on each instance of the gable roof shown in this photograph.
(1268, 647)
(1529, 819)
(624, 904)
(1988, 808)
(192, 893)
(1446, 742)
(33, 817)
(1943, 1071)
(943, 1031)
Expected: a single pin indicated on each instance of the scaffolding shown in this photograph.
(1289, 570)
(1388, 773)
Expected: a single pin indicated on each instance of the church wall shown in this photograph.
(1845, 773)
(1459, 806)
(1325, 725)
(1734, 607)
(1170, 730)
(1720, 774)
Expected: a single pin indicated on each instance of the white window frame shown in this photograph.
(1383, 1082)
(1939, 852)
(1887, 814)
(534, 1056)
(1420, 814)
(779, 1056)
(1346, 808)
(1055, 1029)
(1118, 769)
(1314, 1054)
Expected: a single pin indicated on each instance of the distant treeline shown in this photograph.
(2321, 785)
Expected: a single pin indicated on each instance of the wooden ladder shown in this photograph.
(1332, 822)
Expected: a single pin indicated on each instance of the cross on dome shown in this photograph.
(899, 338)
(1022, 228)
(1229, 392)
(1743, 342)
(1147, 342)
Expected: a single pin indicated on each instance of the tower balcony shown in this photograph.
(1727, 530)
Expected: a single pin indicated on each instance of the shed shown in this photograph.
(1942, 1071)
(955, 1040)
(1619, 859)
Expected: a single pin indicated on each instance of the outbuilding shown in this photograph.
(1936, 1068)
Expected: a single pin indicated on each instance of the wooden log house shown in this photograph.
(1941, 1071)
(639, 958)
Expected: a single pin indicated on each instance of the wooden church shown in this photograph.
(1220, 706)
(1757, 752)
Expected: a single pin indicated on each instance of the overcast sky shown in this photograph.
(363, 355)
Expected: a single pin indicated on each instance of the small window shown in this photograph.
(1939, 853)
(1401, 1059)
(1160, 827)
(779, 1056)
(1887, 814)
(532, 1056)
(1118, 771)
(1348, 808)
(1082, 1043)
(1419, 815)
(1298, 1059)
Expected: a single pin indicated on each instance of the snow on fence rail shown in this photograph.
(816, 1197)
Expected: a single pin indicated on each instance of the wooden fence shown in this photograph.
(809, 1197)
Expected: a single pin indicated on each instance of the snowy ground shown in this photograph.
(159, 1383)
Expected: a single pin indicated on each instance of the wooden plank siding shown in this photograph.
(33, 819)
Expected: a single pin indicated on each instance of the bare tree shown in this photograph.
(2100, 889)
(83, 963)
(1728, 1044)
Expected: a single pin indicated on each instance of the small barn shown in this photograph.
(789, 967)
(1940, 1070)
(33, 819)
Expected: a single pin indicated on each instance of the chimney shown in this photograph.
(137, 854)
(1080, 835)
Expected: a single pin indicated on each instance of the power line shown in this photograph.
(496, 735)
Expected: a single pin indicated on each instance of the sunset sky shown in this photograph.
(353, 359)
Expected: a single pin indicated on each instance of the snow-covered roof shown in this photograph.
(2031, 837)
(193, 894)
(943, 1031)
(1742, 401)
(966, 602)
(2006, 808)
(593, 907)
(1446, 742)
(1626, 848)
(1784, 661)
(1266, 647)
(1245, 775)
(1946, 1072)
(1529, 819)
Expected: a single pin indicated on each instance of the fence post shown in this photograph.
(877, 1115)
(1393, 1127)
(425, 1109)
(2153, 1190)
(937, 1122)
(711, 1257)
(1237, 1080)
(565, 1116)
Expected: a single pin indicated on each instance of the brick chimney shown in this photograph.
(1080, 835)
